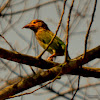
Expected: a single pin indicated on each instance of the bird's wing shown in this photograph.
(45, 36)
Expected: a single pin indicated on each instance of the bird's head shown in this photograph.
(36, 24)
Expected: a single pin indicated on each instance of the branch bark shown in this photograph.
(45, 64)
(71, 67)
(25, 59)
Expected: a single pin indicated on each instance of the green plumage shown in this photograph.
(44, 36)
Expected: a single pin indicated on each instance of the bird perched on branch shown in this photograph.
(44, 36)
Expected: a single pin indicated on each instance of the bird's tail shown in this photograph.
(64, 47)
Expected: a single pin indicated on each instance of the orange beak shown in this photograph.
(28, 25)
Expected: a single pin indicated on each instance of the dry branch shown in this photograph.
(44, 76)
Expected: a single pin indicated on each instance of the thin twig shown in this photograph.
(31, 8)
(7, 42)
(77, 88)
(37, 88)
(4, 6)
(32, 69)
(56, 30)
(88, 31)
(67, 28)
(70, 90)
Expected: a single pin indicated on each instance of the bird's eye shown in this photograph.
(34, 22)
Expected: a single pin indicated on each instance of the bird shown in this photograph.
(44, 35)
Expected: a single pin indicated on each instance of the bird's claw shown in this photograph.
(50, 58)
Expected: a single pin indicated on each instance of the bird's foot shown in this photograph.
(50, 58)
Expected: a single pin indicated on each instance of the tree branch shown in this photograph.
(86, 72)
(25, 59)
(66, 68)
(44, 64)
